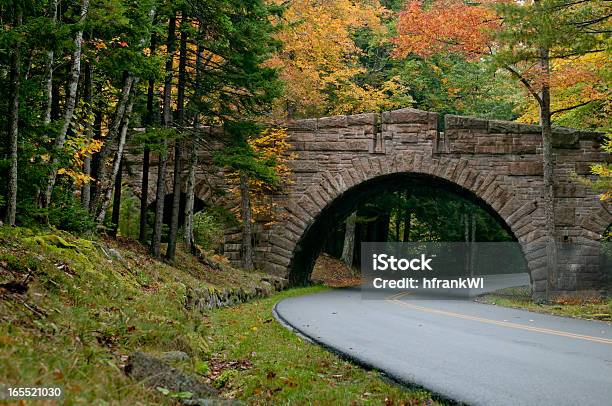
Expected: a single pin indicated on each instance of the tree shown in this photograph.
(13, 128)
(524, 39)
(167, 123)
(178, 150)
(75, 73)
(257, 169)
(320, 63)
(349, 240)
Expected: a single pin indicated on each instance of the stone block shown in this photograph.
(503, 127)
(565, 216)
(565, 138)
(525, 169)
(452, 121)
(361, 119)
(569, 190)
(529, 129)
(332, 122)
(407, 115)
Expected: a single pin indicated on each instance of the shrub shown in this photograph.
(207, 230)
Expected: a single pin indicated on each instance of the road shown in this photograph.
(465, 351)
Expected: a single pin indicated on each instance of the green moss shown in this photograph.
(52, 239)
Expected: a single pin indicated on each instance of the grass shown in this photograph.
(89, 304)
(275, 366)
(85, 312)
(584, 308)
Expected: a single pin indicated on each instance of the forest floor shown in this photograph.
(584, 308)
(72, 310)
(332, 272)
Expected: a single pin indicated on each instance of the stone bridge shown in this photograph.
(344, 160)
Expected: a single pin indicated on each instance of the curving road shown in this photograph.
(465, 351)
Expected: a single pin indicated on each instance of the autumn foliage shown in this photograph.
(319, 60)
(445, 26)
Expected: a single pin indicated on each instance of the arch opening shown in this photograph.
(315, 237)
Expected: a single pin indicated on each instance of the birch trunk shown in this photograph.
(49, 74)
(75, 73)
(87, 93)
(13, 130)
(115, 127)
(117, 202)
(116, 160)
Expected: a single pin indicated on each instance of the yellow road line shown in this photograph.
(395, 299)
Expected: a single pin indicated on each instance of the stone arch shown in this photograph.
(598, 222)
(518, 215)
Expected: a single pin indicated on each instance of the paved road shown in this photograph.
(469, 352)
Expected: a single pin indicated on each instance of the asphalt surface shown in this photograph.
(465, 351)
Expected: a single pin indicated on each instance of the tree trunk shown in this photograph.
(95, 159)
(104, 181)
(117, 159)
(465, 217)
(180, 105)
(176, 201)
(117, 201)
(13, 130)
(130, 81)
(146, 156)
(407, 220)
(167, 118)
(75, 73)
(49, 73)
(144, 195)
(473, 244)
(398, 216)
(167, 121)
(407, 226)
(87, 92)
(548, 163)
(160, 194)
(349, 240)
(189, 204)
(193, 162)
(247, 232)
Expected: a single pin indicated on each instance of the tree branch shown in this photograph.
(573, 107)
(524, 82)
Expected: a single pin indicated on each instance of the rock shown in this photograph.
(114, 254)
(211, 402)
(172, 356)
(154, 373)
